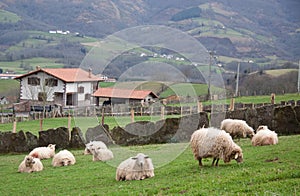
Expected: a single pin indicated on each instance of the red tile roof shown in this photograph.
(123, 93)
(67, 74)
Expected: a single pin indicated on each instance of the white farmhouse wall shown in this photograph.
(30, 92)
(81, 97)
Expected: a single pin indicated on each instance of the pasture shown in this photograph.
(267, 170)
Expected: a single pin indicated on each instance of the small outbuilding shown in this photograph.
(124, 96)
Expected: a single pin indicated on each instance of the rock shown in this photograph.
(77, 139)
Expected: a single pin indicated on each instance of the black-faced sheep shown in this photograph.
(43, 152)
(264, 136)
(237, 128)
(100, 154)
(215, 143)
(94, 144)
(135, 168)
(30, 164)
(63, 158)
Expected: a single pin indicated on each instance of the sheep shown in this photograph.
(43, 152)
(215, 143)
(237, 128)
(63, 158)
(95, 144)
(30, 164)
(100, 154)
(135, 168)
(264, 136)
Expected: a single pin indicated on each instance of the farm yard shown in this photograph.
(266, 170)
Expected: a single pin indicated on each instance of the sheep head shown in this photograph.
(237, 155)
(261, 127)
(140, 159)
(51, 146)
(29, 161)
(65, 162)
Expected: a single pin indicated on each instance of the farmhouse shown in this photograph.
(62, 86)
(125, 96)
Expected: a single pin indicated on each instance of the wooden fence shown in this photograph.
(126, 110)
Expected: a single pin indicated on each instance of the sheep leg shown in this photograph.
(217, 162)
(200, 162)
(213, 163)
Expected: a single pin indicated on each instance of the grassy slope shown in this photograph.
(8, 17)
(267, 170)
(8, 85)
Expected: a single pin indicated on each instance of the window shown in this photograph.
(51, 82)
(42, 96)
(80, 89)
(34, 81)
(87, 96)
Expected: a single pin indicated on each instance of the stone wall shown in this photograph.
(25, 142)
(284, 120)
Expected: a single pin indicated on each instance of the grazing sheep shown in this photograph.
(237, 128)
(264, 136)
(215, 143)
(135, 168)
(94, 144)
(43, 152)
(63, 158)
(100, 154)
(30, 164)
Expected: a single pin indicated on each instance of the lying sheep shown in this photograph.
(237, 128)
(135, 168)
(264, 136)
(100, 154)
(94, 144)
(63, 158)
(43, 152)
(30, 164)
(215, 143)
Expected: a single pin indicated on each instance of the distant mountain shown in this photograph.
(234, 28)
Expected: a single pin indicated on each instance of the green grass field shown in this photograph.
(266, 170)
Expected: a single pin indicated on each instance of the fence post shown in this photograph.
(231, 108)
(200, 107)
(69, 121)
(162, 112)
(102, 116)
(41, 124)
(132, 114)
(14, 125)
(273, 98)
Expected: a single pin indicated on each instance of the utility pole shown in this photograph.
(299, 77)
(211, 53)
(237, 79)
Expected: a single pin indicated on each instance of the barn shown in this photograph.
(124, 96)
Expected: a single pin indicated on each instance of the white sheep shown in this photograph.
(215, 143)
(63, 158)
(43, 152)
(100, 154)
(237, 128)
(135, 168)
(30, 164)
(264, 136)
(94, 144)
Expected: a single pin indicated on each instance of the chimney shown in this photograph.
(38, 67)
(90, 72)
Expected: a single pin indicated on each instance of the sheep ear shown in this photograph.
(236, 155)
(146, 156)
(134, 158)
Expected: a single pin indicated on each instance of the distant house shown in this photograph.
(125, 96)
(3, 101)
(63, 86)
